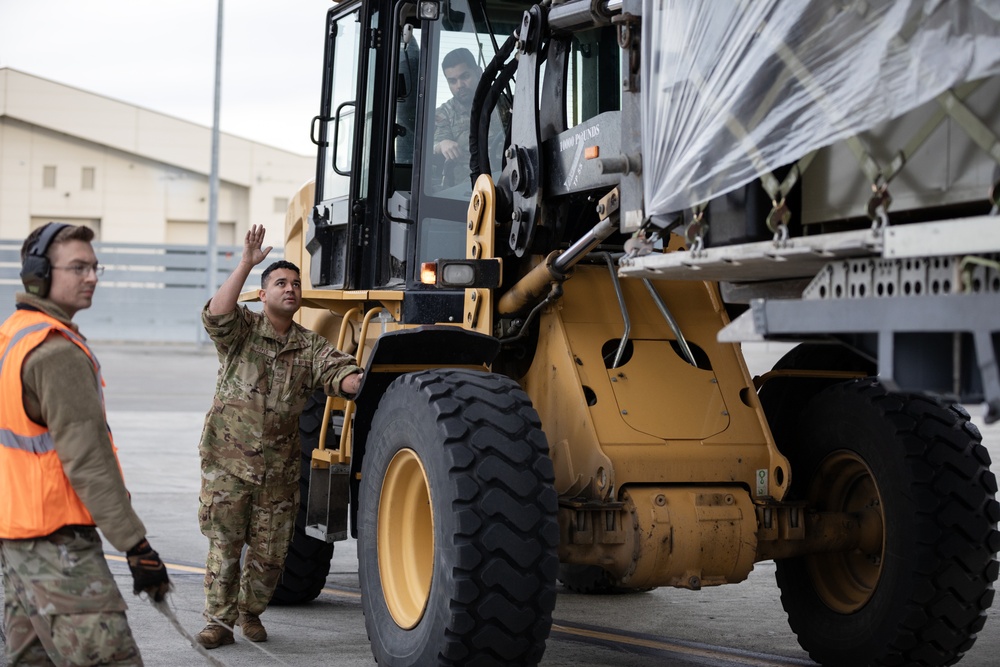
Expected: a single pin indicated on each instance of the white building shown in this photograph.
(131, 174)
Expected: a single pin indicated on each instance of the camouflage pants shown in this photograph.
(61, 603)
(233, 512)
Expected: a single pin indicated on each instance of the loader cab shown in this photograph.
(385, 200)
(393, 178)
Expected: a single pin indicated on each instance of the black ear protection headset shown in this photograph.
(36, 271)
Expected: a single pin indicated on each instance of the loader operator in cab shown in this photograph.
(250, 450)
(452, 121)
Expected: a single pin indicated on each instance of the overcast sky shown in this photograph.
(160, 55)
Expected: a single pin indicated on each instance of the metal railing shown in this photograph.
(148, 292)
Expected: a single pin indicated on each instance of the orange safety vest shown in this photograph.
(36, 497)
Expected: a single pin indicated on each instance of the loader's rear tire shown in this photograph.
(307, 564)
(918, 595)
(457, 530)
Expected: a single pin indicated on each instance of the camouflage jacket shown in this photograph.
(452, 120)
(264, 381)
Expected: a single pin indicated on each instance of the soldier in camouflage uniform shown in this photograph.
(250, 448)
(84, 615)
(60, 479)
(452, 121)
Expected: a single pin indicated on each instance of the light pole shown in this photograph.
(213, 179)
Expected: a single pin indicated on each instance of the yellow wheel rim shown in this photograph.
(846, 580)
(405, 539)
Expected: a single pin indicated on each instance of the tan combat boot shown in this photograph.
(214, 636)
(253, 629)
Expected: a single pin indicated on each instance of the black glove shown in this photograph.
(148, 572)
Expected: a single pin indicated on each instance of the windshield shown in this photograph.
(463, 49)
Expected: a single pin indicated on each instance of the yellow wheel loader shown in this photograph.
(545, 231)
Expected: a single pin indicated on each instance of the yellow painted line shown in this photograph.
(339, 592)
(170, 566)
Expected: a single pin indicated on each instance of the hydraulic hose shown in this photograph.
(479, 99)
(486, 117)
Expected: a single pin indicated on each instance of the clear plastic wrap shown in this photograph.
(734, 89)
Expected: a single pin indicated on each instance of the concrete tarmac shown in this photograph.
(157, 396)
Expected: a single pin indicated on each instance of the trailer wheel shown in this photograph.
(307, 564)
(457, 530)
(918, 595)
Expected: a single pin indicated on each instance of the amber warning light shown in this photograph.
(461, 273)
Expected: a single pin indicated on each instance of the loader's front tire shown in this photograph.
(308, 561)
(918, 595)
(457, 531)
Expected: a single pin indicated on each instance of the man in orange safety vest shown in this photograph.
(60, 478)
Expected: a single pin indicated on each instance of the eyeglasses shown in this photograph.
(82, 270)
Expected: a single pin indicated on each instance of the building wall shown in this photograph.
(135, 175)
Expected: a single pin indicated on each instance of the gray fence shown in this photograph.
(151, 293)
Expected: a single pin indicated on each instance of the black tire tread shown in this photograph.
(508, 548)
(307, 564)
(952, 496)
(505, 507)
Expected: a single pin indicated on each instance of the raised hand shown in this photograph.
(252, 252)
